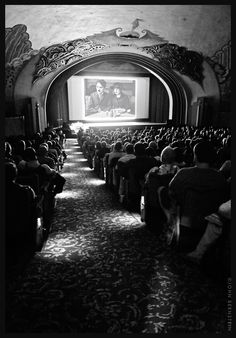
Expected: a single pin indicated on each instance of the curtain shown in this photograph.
(159, 101)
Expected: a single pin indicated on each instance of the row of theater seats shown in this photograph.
(29, 213)
(133, 192)
(30, 203)
(141, 195)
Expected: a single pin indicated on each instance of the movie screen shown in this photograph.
(107, 98)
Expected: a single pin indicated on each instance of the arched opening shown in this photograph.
(172, 91)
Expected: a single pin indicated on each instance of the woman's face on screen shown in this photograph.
(117, 91)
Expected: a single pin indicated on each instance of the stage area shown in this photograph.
(133, 125)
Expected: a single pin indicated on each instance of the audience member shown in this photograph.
(198, 191)
(115, 154)
(43, 158)
(31, 165)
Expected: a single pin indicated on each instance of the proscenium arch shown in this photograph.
(176, 92)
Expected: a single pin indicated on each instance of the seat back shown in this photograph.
(101, 169)
(153, 214)
(32, 180)
(134, 189)
(192, 223)
(152, 184)
(197, 205)
(20, 222)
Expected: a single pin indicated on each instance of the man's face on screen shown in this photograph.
(99, 88)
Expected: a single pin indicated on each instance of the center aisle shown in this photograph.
(103, 271)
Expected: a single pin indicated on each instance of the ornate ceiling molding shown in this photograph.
(221, 63)
(60, 55)
(132, 38)
(169, 55)
(18, 50)
(17, 45)
(185, 61)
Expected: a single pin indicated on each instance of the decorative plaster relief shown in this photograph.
(170, 55)
(185, 61)
(118, 37)
(221, 64)
(10, 76)
(115, 67)
(17, 42)
(60, 55)
(18, 50)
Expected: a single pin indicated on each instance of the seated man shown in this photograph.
(198, 191)
(99, 100)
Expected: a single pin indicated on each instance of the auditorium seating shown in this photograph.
(141, 195)
(135, 193)
(44, 202)
(32, 217)
(189, 223)
(22, 225)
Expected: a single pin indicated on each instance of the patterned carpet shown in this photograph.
(103, 271)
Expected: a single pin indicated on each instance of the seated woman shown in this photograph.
(120, 101)
(168, 163)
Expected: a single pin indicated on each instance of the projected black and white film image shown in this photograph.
(109, 98)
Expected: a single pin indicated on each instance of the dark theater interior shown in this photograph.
(117, 171)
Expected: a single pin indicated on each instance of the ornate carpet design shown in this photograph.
(103, 271)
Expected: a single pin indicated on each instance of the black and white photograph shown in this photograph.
(110, 97)
(116, 182)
